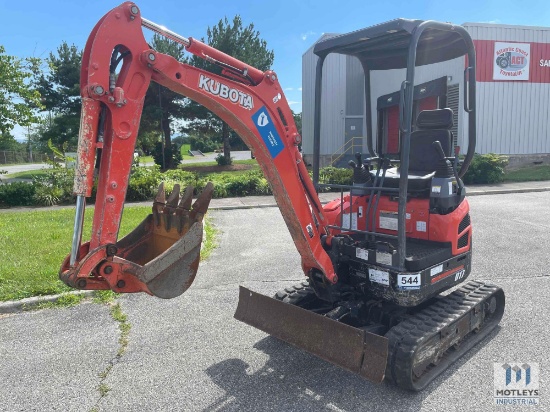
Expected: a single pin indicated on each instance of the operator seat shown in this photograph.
(431, 125)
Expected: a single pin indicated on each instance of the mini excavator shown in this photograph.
(376, 260)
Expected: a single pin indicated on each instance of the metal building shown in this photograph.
(513, 89)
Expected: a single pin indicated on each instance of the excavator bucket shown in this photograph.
(351, 348)
(164, 250)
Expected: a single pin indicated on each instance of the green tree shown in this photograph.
(18, 97)
(60, 90)
(243, 43)
(298, 121)
(161, 108)
(8, 142)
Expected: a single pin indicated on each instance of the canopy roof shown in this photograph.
(386, 45)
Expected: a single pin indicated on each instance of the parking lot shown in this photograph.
(189, 354)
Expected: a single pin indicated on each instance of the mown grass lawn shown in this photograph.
(33, 245)
(29, 174)
(527, 174)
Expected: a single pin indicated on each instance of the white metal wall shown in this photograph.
(513, 117)
(334, 101)
(501, 32)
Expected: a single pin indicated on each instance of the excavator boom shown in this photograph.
(117, 68)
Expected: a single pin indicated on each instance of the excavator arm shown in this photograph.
(161, 256)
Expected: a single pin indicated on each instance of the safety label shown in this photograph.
(362, 253)
(379, 276)
(388, 221)
(436, 270)
(384, 258)
(349, 221)
(268, 132)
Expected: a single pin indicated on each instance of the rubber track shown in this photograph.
(298, 294)
(408, 336)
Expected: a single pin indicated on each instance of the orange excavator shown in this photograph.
(375, 260)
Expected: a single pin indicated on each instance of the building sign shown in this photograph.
(511, 61)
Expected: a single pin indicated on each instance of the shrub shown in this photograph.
(336, 175)
(245, 184)
(17, 194)
(143, 183)
(487, 168)
(54, 186)
(173, 151)
(222, 160)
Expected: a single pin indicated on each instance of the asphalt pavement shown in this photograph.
(189, 354)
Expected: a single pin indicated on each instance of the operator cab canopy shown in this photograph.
(386, 45)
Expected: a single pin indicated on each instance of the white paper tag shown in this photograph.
(346, 221)
(436, 270)
(384, 258)
(420, 226)
(362, 254)
(388, 222)
(436, 189)
(450, 188)
(379, 276)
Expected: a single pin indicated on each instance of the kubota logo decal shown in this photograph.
(225, 92)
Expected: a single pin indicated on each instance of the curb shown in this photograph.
(18, 306)
(323, 202)
(507, 191)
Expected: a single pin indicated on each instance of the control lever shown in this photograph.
(441, 153)
(439, 149)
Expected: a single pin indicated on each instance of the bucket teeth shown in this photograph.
(178, 212)
(182, 211)
(159, 204)
(161, 195)
(172, 201)
(186, 198)
(169, 209)
(201, 204)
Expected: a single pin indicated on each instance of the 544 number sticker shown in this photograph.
(409, 281)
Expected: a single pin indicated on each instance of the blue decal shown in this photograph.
(267, 130)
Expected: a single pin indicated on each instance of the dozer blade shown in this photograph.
(163, 252)
(353, 349)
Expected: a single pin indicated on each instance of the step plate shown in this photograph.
(350, 348)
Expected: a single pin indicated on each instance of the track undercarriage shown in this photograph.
(409, 346)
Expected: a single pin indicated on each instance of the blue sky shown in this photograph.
(34, 28)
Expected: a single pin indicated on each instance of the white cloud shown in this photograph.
(292, 102)
(299, 89)
(289, 89)
(495, 21)
(304, 36)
